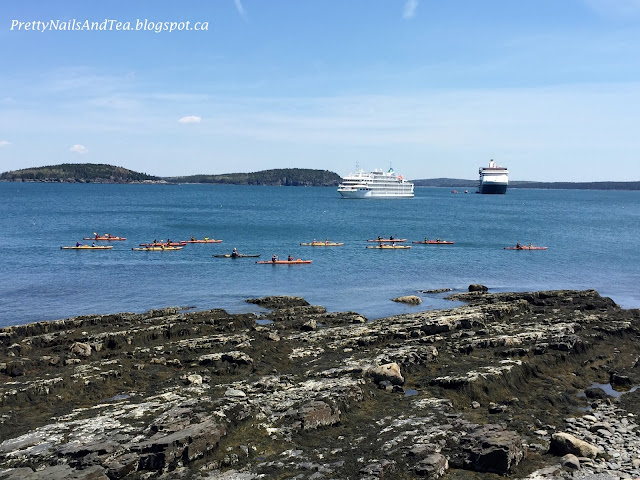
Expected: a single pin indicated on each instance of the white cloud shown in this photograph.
(190, 119)
(240, 8)
(4, 143)
(410, 9)
(79, 149)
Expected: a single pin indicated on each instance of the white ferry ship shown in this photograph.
(493, 179)
(376, 184)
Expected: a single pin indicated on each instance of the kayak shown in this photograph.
(104, 238)
(211, 240)
(156, 249)
(388, 240)
(88, 247)
(434, 242)
(525, 247)
(284, 262)
(322, 244)
(240, 255)
(164, 244)
(386, 247)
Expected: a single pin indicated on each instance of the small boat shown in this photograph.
(107, 238)
(388, 240)
(156, 248)
(434, 242)
(206, 240)
(88, 247)
(240, 255)
(326, 243)
(284, 262)
(164, 244)
(386, 247)
(525, 247)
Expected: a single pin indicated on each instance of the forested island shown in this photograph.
(103, 173)
(281, 176)
(78, 173)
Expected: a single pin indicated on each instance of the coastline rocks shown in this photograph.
(493, 387)
(279, 302)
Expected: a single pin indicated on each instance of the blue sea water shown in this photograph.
(592, 238)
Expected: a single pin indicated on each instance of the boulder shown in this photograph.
(432, 466)
(81, 349)
(563, 443)
(389, 372)
(408, 299)
(476, 287)
(492, 449)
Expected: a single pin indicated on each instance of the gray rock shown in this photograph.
(408, 299)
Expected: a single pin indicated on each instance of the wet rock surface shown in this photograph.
(516, 385)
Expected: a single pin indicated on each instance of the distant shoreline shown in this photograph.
(424, 183)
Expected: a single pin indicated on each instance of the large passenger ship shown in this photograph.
(493, 179)
(376, 184)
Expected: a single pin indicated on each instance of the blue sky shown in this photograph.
(548, 88)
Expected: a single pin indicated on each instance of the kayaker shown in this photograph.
(193, 239)
(426, 239)
(235, 252)
(290, 258)
(93, 244)
(518, 246)
(77, 244)
(274, 258)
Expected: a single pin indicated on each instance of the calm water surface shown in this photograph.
(592, 238)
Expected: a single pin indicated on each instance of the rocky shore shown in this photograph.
(537, 385)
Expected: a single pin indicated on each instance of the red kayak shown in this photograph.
(526, 247)
(284, 262)
(164, 244)
(206, 240)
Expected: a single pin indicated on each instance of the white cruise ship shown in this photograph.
(376, 184)
(493, 179)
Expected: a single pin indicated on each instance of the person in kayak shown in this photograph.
(274, 258)
(234, 254)
(290, 258)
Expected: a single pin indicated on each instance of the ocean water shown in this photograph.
(592, 237)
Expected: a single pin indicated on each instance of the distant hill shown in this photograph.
(282, 176)
(459, 183)
(78, 173)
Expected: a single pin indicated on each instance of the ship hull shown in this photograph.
(371, 194)
(495, 188)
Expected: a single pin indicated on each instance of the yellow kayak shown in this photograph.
(88, 247)
(322, 244)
